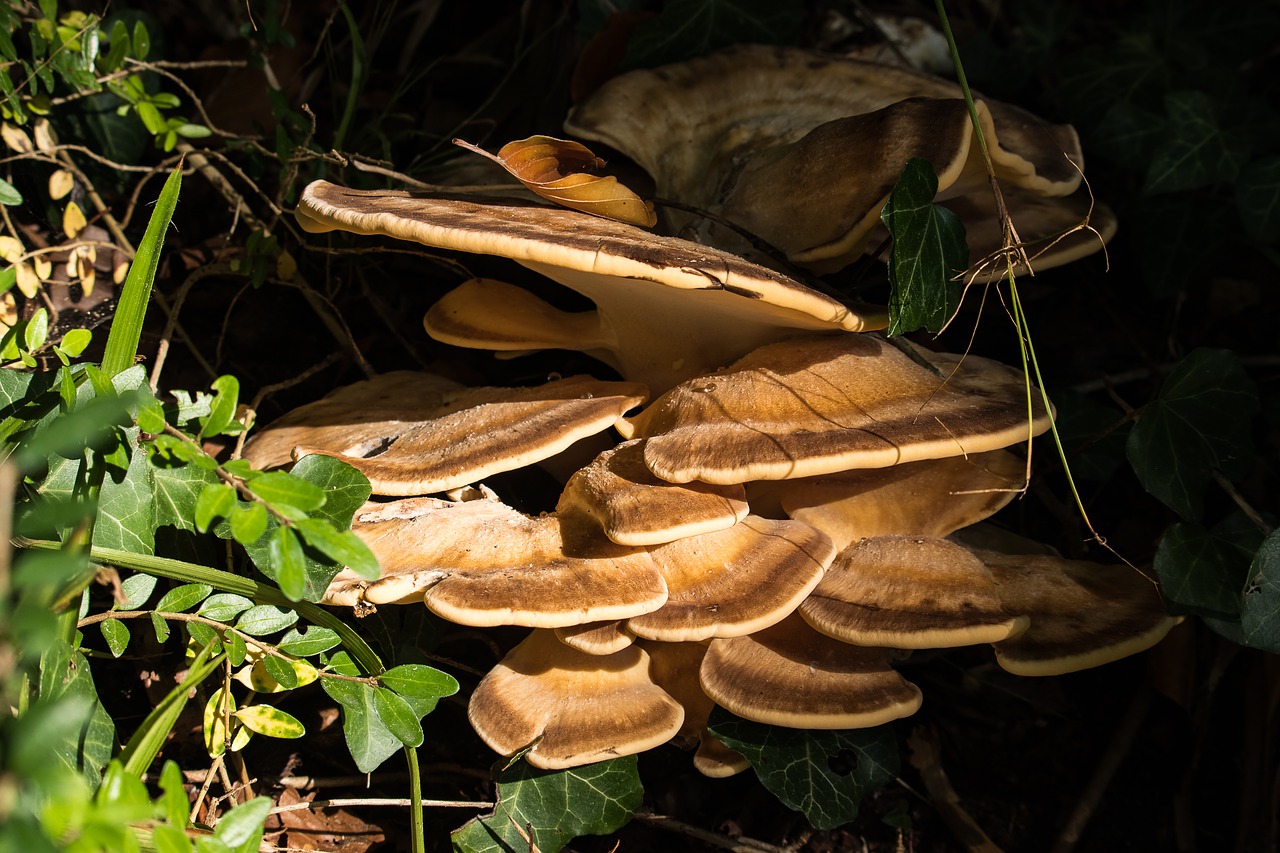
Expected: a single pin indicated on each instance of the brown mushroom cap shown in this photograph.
(655, 296)
(1083, 614)
(909, 592)
(410, 443)
(674, 667)
(635, 508)
(596, 638)
(817, 405)
(482, 563)
(790, 675)
(573, 708)
(735, 581)
(933, 497)
(774, 140)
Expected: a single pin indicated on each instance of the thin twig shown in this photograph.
(380, 801)
(162, 350)
(719, 839)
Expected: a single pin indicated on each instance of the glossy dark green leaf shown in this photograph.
(1202, 570)
(1260, 611)
(368, 738)
(822, 774)
(184, 597)
(1196, 151)
(929, 253)
(137, 589)
(281, 671)
(415, 681)
(1199, 421)
(399, 718)
(175, 489)
(1258, 198)
(689, 28)
(554, 806)
(161, 626)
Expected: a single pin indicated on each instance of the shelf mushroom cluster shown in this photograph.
(772, 533)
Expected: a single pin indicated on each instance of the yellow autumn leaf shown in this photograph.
(73, 220)
(10, 248)
(46, 140)
(43, 267)
(28, 281)
(557, 170)
(16, 138)
(60, 183)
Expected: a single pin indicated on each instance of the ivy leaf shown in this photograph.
(802, 768)
(1202, 570)
(66, 682)
(1196, 152)
(1258, 198)
(929, 252)
(555, 806)
(368, 738)
(1198, 422)
(689, 28)
(1260, 611)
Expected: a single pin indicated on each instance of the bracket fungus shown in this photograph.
(656, 297)
(416, 434)
(818, 405)
(802, 149)
(570, 708)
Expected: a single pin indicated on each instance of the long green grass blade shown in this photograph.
(126, 328)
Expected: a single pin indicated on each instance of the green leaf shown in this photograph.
(184, 597)
(126, 327)
(173, 798)
(141, 40)
(9, 195)
(270, 722)
(248, 523)
(1200, 421)
(224, 606)
(823, 774)
(368, 738)
(116, 633)
(398, 717)
(555, 807)
(311, 640)
(155, 729)
(281, 671)
(341, 547)
(415, 681)
(1202, 570)
(222, 411)
(160, 626)
(689, 28)
(280, 487)
(928, 254)
(241, 828)
(289, 568)
(1196, 151)
(1258, 198)
(1260, 611)
(137, 589)
(176, 489)
(264, 619)
(216, 500)
(37, 330)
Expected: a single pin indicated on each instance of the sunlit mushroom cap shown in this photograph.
(933, 497)
(571, 708)
(771, 139)
(1082, 614)
(635, 508)
(415, 436)
(674, 667)
(790, 675)
(483, 563)
(909, 592)
(735, 581)
(818, 405)
(657, 298)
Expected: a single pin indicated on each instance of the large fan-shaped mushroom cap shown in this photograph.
(656, 297)
(818, 405)
(416, 434)
(571, 708)
(483, 563)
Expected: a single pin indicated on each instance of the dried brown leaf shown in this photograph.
(556, 169)
(46, 139)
